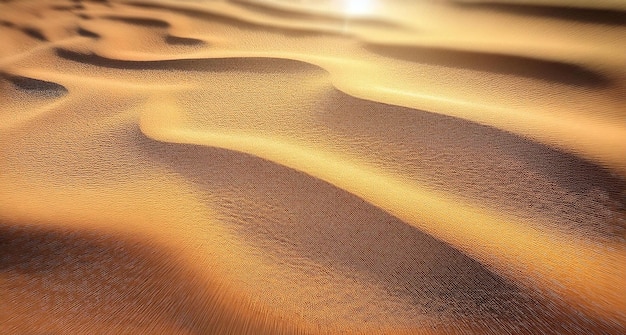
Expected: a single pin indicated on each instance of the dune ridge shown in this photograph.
(272, 166)
(426, 211)
(561, 130)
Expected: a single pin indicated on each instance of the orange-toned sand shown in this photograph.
(312, 167)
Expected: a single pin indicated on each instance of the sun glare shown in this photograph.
(358, 7)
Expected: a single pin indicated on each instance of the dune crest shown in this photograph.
(197, 167)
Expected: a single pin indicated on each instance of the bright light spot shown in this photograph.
(358, 7)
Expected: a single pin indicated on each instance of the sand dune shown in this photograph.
(208, 167)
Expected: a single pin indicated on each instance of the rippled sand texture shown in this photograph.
(232, 167)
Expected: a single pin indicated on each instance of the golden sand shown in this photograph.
(275, 166)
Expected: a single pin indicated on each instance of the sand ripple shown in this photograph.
(284, 167)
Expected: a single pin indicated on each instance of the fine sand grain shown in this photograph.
(312, 167)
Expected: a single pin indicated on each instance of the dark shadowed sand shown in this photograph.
(312, 167)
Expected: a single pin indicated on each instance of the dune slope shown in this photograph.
(206, 167)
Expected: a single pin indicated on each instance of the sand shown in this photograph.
(312, 167)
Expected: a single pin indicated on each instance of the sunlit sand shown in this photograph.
(316, 167)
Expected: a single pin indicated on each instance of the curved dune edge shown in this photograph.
(81, 92)
(595, 140)
(586, 274)
(276, 154)
(47, 206)
(91, 157)
(411, 34)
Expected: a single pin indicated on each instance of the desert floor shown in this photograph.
(312, 167)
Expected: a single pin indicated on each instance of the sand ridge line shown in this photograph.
(543, 128)
(607, 154)
(150, 137)
(516, 253)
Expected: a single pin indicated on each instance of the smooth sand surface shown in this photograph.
(312, 167)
